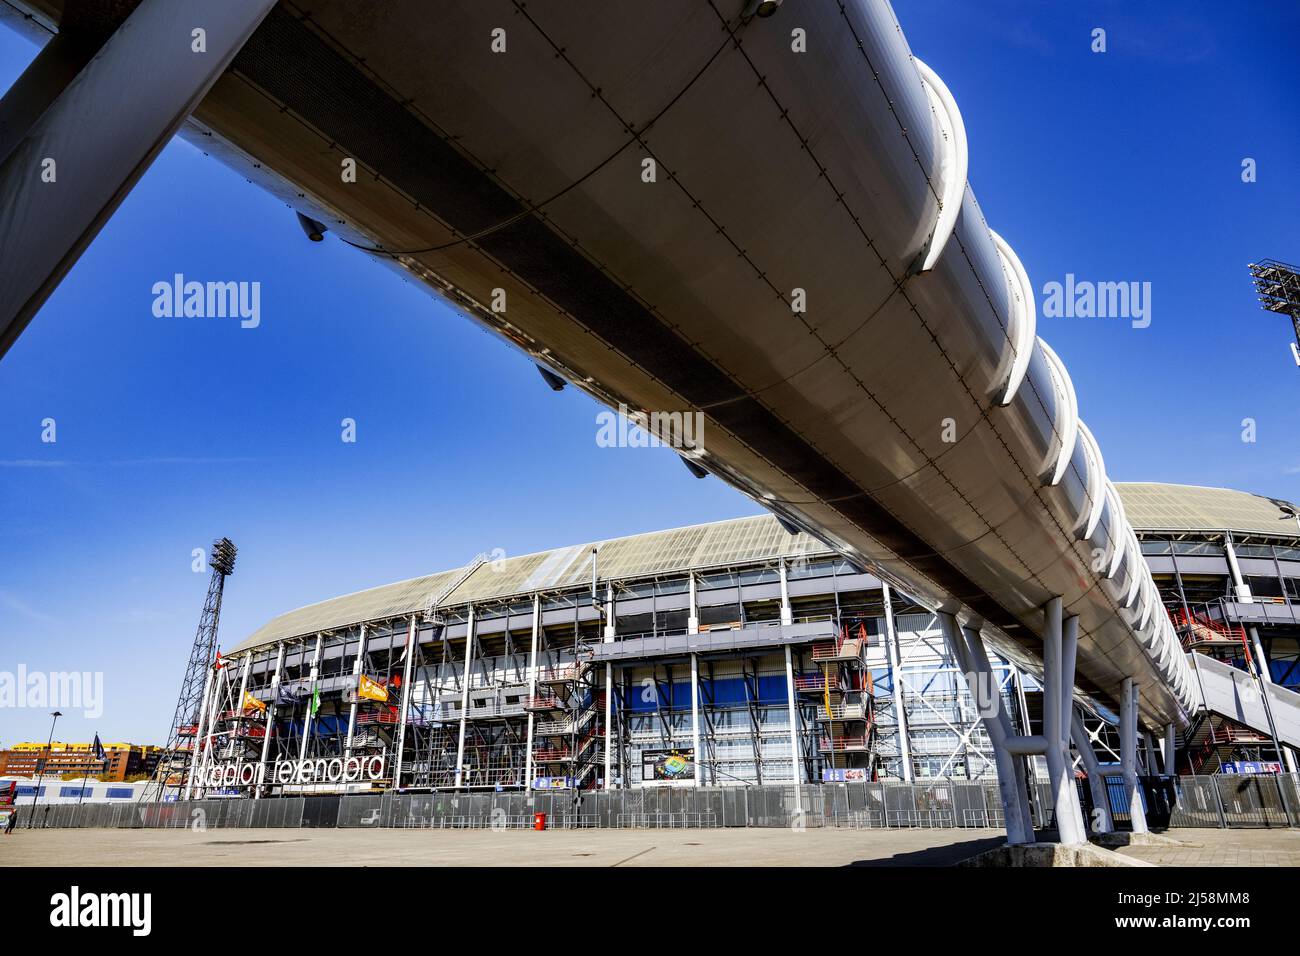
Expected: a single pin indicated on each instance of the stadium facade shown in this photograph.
(722, 654)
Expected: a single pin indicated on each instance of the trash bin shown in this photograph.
(539, 821)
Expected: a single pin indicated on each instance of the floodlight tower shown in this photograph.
(1278, 285)
(172, 775)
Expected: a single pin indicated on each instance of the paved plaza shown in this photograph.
(688, 847)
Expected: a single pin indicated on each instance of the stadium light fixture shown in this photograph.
(1278, 285)
(223, 556)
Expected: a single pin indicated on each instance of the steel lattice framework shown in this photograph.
(183, 738)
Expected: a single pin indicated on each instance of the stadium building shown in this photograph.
(1227, 565)
(723, 654)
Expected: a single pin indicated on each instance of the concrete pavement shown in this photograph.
(687, 847)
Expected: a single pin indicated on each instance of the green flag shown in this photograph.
(315, 701)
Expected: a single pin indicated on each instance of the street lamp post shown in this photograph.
(40, 777)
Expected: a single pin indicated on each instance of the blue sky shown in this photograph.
(1117, 166)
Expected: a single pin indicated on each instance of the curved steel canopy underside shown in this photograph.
(908, 414)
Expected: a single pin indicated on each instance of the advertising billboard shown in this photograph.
(668, 766)
(844, 775)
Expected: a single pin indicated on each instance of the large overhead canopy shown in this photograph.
(683, 211)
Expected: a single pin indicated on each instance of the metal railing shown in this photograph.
(1226, 800)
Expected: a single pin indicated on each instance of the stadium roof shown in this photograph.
(721, 543)
(1186, 508)
(1149, 507)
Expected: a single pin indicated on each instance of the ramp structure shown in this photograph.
(1236, 694)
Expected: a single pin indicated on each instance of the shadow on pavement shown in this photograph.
(948, 855)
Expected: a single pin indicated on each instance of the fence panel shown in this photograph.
(1290, 782)
(1251, 801)
(1197, 805)
(1224, 800)
(734, 812)
(900, 804)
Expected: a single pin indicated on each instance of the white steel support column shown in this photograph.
(968, 653)
(532, 690)
(244, 669)
(103, 130)
(464, 697)
(1240, 587)
(208, 730)
(1128, 734)
(311, 696)
(197, 751)
(609, 723)
(1261, 659)
(1102, 821)
(695, 718)
(610, 619)
(787, 612)
(1069, 654)
(896, 679)
(1171, 751)
(1015, 804)
(269, 728)
(352, 709)
(796, 774)
(1056, 695)
(693, 617)
(400, 743)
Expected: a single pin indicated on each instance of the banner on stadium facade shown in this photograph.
(369, 689)
(313, 770)
(668, 766)
(1252, 766)
(552, 783)
(844, 775)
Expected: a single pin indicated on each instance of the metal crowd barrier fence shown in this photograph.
(1218, 801)
(192, 814)
(671, 821)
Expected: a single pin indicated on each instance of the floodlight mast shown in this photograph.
(1278, 285)
(174, 768)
